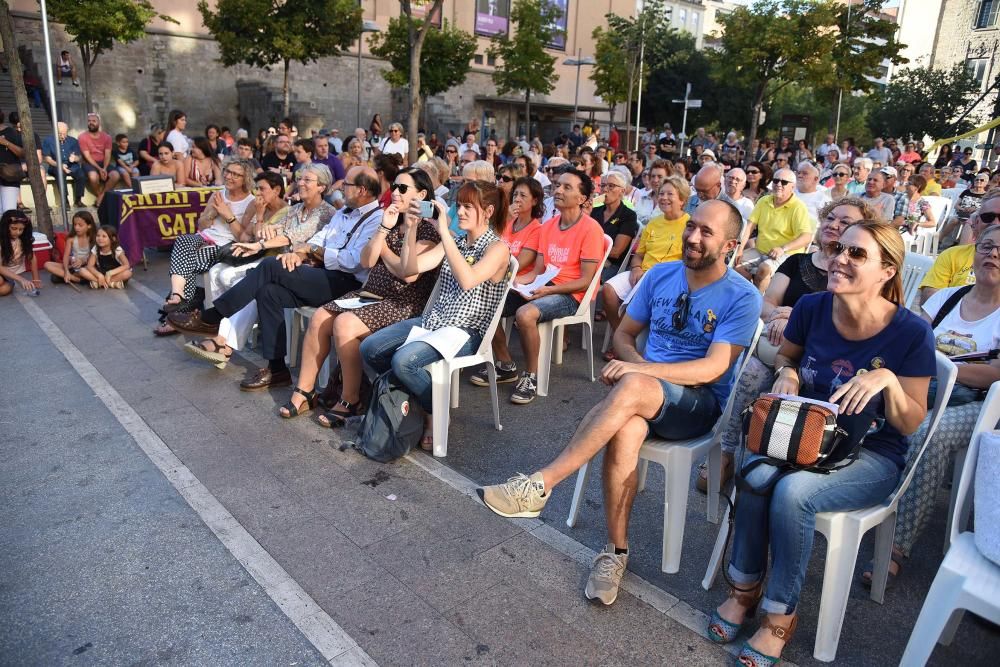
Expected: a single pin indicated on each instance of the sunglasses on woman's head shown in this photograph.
(401, 187)
(855, 254)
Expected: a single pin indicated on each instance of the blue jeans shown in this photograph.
(786, 521)
(384, 349)
(551, 307)
(687, 412)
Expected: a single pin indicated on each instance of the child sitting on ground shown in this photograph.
(16, 254)
(108, 266)
(77, 252)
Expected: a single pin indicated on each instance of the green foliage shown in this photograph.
(96, 25)
(525, 66)
(444, 59)
(263, 33)
(805, 100)
(922, 101)
(864, 41)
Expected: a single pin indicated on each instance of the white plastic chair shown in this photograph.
(297, 323)
(988, 418)
(621, 269)
(966, 580)
(844, 531)
(927, 237)
(915, 267)
(445, 374)
(677, 458)
(553, 330)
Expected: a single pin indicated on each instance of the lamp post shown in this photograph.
(60, 175)
(578, 62)
(366, 26)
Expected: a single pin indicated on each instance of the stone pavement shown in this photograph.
(401, 557)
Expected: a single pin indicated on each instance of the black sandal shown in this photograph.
(334, 418)
(171, 307)
(291, 411)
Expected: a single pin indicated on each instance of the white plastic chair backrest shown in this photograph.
(952, 194)
(588, 296)
(434, 295)
(495, 320)
(940, 206)
(989, 416)
(915, 267)
(947, 372)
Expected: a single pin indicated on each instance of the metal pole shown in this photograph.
(576, 96)
(60, 175)
(684, 120)
(638, 104)
(360, 38)
(840, 90)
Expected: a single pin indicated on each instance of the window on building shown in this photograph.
(694, 23)
(986, 17)
(977, 68)
(682, 16)
(478, 59)
(491, 61)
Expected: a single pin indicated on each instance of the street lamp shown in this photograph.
(577, 62)
(366, 26)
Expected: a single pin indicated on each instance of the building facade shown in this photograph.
(177, 66)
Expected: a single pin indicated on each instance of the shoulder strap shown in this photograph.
(357, 225)
(950, 304)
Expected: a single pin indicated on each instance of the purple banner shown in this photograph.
(156, 220)
(492, 17)
(558, 40)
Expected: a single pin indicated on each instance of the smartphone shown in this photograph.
(427, 209)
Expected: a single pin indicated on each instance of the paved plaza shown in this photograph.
(155, 514)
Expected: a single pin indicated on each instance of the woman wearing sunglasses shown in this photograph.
(854, 345)
(841, 177)
(758, 176)
(972, 324)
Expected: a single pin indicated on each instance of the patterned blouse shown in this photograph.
(466, 309)
(298, 227)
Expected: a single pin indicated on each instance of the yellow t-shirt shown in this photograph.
(782, 224)
(952, 268)
(661, 241)
(933, 189)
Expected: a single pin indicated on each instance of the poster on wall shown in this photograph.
(492, 17)
(559, 26)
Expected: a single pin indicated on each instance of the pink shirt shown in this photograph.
(95, 147)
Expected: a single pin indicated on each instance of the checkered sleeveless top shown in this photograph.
(466, 309)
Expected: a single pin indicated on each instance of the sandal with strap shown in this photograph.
(895, 558)
(751, 657)
(169, 307)
(289, 411)
(722, 631)
(217, 355)
(334, 418)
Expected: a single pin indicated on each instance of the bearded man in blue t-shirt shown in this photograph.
(701, 316)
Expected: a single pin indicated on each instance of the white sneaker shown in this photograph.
(606, 574)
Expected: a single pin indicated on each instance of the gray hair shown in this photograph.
(615, 175)
(479, 170)
(431, 170)
(863, 162)
(810, 166)
(247, 167)
(396, 126)
(322, 172)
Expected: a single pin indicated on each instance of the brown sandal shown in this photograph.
(727, 474)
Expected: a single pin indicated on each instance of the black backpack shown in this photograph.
(393, 424)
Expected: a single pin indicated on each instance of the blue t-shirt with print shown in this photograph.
(905, 347)
(724, 312)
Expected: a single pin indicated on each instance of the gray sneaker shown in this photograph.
(606, 574)
(519, 497)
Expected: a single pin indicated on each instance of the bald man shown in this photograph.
(71, 164)
(707, 185)
(783, 228)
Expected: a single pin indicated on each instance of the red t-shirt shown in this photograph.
(566, 249)
(95, 146)
(525, 238)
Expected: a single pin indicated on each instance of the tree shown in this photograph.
(263, 33)
(417, 37)
(922, 101)
(43, 217)
(524, 63)
(96, 25)
(771, 44)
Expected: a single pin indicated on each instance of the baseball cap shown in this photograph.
(890, 171)
(709, 152)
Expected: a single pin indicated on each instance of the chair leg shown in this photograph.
(963, 520)
(491, 371)
(582, 477)
(841, 556)
(884, 535)
(678, 483)
(455, 381)
(508, 325)
(294, 331)
(714, 481)
(607, 339)
(715, 562)
(643, 471)
(939, 616)
(545, 334)
(440, 400)
(588, 330)
(557, 353)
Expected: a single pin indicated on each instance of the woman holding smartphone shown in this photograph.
(395, 296)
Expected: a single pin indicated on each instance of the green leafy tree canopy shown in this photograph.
(922, 101)
(263, 33)
(444, 60)
(95, 25)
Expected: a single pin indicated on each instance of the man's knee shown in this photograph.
(632, 389)
(527, 316)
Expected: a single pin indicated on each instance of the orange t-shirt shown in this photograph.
(565, 249)
(526, 238)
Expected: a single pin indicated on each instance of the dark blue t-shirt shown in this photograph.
(905, 347)
(725, 311)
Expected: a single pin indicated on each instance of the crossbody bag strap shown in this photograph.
(357, 226)
(950, 304)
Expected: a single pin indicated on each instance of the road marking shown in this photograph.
(332, 642)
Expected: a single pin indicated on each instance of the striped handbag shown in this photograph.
(792, 431)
